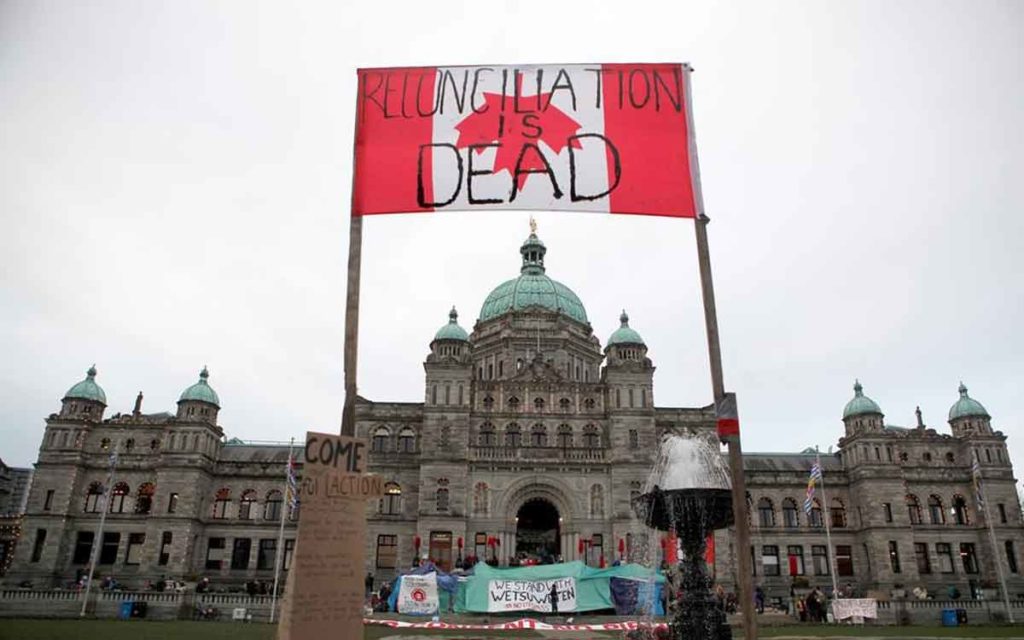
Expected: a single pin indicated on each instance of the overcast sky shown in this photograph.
(175, 180)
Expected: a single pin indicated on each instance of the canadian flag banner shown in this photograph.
(615, 138)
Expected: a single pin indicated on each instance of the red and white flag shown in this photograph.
(614, 138)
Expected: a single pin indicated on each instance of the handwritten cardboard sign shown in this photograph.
(325, 589)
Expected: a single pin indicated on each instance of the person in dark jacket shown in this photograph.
(554, 599)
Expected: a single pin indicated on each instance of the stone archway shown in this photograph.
(538, 530)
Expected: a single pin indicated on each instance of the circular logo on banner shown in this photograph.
(419, 595)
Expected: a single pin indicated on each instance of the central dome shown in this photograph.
(533, 288)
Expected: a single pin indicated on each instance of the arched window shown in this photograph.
(565, 405)
(539, 436)
(513, 404)
(220, 503)
(959, 510)
(935, 512)
(118, 496)
(105, 444)
(513, 436)
(442, 499)
(144, 498)
(92, 497)
(538, 405)
(816, 520)
(488, 403)
(790, 515)
(407, 440)
(838, 514)
(564, 436)
(245, 504)
(391, 503)
(596, 501)
(914, 509)
(950, 458)
(591, 437)
(480, 499)
(379, 442)
(272, 507)
(588, 404)
(765, 513)
(487, 435)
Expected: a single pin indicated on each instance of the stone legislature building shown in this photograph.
(531, 439)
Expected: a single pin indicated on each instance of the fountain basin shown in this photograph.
(687, 512)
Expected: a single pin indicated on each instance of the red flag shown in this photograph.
(709, 550)
(622, 546)
(579, 546)
(612, 138)
(792, 565)
(671, 550)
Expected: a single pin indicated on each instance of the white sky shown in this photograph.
(174, 188)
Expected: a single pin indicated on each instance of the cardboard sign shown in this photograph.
(530, 595)
(325, 588)
(418, 595)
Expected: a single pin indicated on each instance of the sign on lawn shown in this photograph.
(530, 595)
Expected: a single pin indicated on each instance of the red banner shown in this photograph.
(613, 138)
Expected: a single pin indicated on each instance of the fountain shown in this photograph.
(688, 493)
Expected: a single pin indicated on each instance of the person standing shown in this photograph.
(554, 599)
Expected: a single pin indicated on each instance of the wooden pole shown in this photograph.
(744, 564)
(355, 254)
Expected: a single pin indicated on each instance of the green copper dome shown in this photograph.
(624, 334)
(861, 404)
(966, 406)
(533, 288)
(201, 391)
(452, 330)
(87, 389)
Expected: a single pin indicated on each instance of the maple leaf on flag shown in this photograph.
(518, 129)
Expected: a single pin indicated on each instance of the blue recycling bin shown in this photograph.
(949, 618)
(125, 612)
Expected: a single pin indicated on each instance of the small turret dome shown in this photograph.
(87, 389)
(201, 391)
(966, 406)
(452, 330)
(624, 334)
(861, 404)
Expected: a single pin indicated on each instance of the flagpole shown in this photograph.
(279, 559)
(98, 542)
(826, 516)
(976, 472)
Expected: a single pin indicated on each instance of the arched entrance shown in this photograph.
(537, 530)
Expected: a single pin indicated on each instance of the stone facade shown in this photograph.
(527, 427)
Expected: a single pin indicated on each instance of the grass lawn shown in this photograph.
(145, 630)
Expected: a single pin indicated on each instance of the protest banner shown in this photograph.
(418, 595)
(844, 608)
(530, 595)
(325, 590)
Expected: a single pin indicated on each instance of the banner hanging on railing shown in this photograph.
(614, 138)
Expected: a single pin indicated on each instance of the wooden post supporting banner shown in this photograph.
(729, 434)
(355, 256)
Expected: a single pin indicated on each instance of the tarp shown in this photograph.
(447, 585)
(592, 586)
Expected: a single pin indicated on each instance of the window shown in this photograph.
(117, 497)
(1011, 555)
(513, 404)
(487, 435)
(48, 502)
(914, 509)
(844, 560)
(165, 548)
(144, 498)
(172, 503)
(968, 557)
(924, 564)
(240, 552)
(83, 547)
(591, 437)
(1002, 512)
(596, 548)
(790, 516)
(927, 457)
(442, 499)
(266, 556)
(945, 553)
(935, 512)
(538, 405)
(108, 550)
(513, 437)
(387, 551)
(245, 504)
(765, 514)
(289, 550)
(950, 458)
(796, 559)
(887, 511)
(407, 440)
(960, 515)
(564, 404)
(539, 436)
(105, 444)
(220, 503)
(596, 501)
(618, 398)
(634, 492)
(92, 498)
(488, 403)
(816, 520)
(391, 503)
(564, 436)
(894, 556)
(134, 550)
(630, 397)
(40, 544)
(634, 439)
(480, 499)
(819, 557)
(272, 507)
(588, 404)
(480, 544)
(379, 442)
(838, 514)
(643, 397)
(770, 559)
